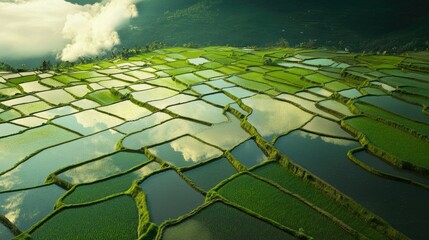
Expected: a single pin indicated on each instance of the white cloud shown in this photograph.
(12, 206)
(193, 150)
(335, 141)
(34, 28)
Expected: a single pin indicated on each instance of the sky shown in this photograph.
(35, 28)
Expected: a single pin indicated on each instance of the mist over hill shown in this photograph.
(359, 25)
(367, 25)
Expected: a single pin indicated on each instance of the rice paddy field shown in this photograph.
(218, 143)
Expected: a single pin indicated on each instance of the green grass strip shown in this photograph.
(115, 218)
(260, 197)
(393, 144)
(381, 114)
(282, 176)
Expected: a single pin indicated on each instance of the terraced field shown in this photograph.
(218, 143)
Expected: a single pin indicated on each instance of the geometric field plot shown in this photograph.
(210, 174)
(29, 142)
(126, 110)
(115, 218)
(200, 110)
(103, 188)
(279, 118)
(259, 197)
(127, 154)
(27, 207)
(380, 194)
(249, 154)
(185, 151)
(35, 170)
(219, 221)
(161, 133)
(280, 175)
(103, 167)
(88, 122)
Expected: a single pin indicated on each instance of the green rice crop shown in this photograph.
(270, 202)
(24, 79)
(380, 113)
(189, 79)
(84, 67)
(397, 142)
(299, 71)
(229, 70)
(115, 218)
(9, 115)
(212, 65)
(29, 108)
(380, 59)
(209, 74)
(225, 60)
(177, 71)
(103, 97)
(288, 78)
(319, 78)
(280, 175)
(252, 85)
(85, 75)
(413, 98)
(101, 189)
(258, 77)
(65, 79)
(179, 64)
(51, 82)
(219, 221)
(372, 91)
(169, 83)
(337, 86)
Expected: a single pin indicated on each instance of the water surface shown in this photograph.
(279, 118)
(199, 110)
(29, 142)
(25, 208)
(398, 203)
(397, 106)
(161, 133)
(219, 221)
(210, 174)
(185, 151)
(249, 154)
(103, 167)
(37, 168)
(175, 198)
(88, 122)
(379, 164)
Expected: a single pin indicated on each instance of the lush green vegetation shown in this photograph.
(24, 79)
(259, 197)
(379, 113)
(219, 221)
(104, 97)
(403, 146)
(283, 177)
(65, 79)
(84, 75)
(288, 78)
(94, 191)
(115, 218)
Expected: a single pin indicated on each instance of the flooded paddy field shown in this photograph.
(218, 143)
